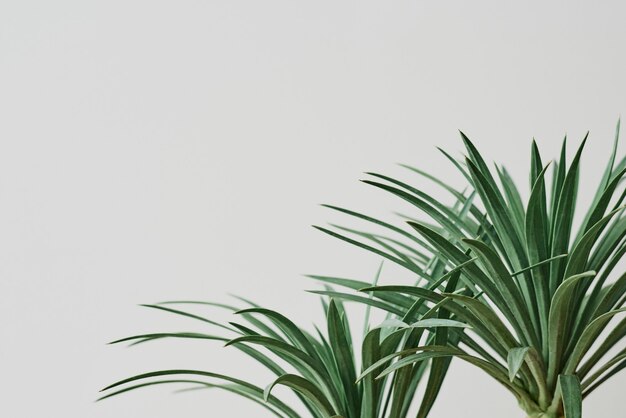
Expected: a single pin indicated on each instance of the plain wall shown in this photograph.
(154, 150)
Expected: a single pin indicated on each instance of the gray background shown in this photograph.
(156, 150)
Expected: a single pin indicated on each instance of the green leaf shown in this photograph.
(306, 388)
(560, 310)
(304, 362)
(396, 310)
(188, 315)
(515, 359)
(393, 323)
(240, 383)
(423, 200)
(374, 250)
(557, 185)
(439, 366)
(537, 244)
(368, 308)
(393, 299)
(605, 190)
(438, 322)
(563, 218)
(290, 329)
(578, 260)
(443, 219)
(513, 306)
(371, 388)
(588, 338)
(572, 397)
(487, 324)
(621, 366)
(342, 351)
(426, 352)
(454, 254)
(513, 199)
(137, 339)
(593, 379)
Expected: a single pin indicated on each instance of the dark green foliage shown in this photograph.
(517, 288)
(545, 288)
(320, 369)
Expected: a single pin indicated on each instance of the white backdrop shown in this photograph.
(155, 150)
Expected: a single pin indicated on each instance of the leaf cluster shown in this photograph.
(545, 288)
(516, 287)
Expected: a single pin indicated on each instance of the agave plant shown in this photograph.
(321, 368)
(542, 288)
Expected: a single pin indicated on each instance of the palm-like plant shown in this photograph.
(536, 292)
(320, 368)
(544, 290)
